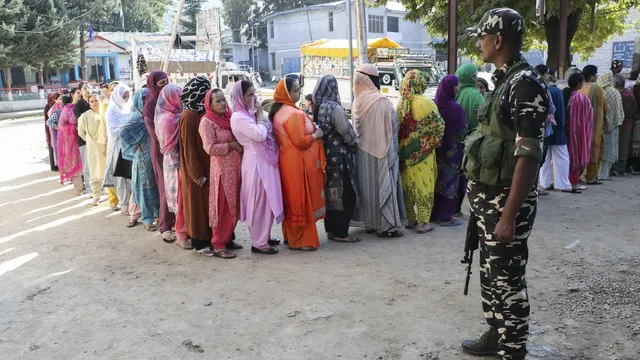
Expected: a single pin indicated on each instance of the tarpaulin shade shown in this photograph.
(339, 48)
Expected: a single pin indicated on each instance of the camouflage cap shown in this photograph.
(498, 21)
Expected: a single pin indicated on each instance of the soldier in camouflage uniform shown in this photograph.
(501, 162)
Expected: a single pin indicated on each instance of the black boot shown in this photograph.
(485, 345)
(521, 355)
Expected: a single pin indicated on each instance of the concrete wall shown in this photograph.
(22, 105)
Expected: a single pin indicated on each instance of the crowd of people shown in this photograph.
(191, 162)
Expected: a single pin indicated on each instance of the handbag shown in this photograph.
(123, 167)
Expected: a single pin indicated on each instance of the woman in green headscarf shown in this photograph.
(469, 97)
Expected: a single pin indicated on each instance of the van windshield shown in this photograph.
(430, 73)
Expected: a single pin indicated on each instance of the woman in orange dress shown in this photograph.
(303, 168)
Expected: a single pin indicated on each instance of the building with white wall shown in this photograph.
(288, 30)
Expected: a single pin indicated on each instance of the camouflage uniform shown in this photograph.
(521, 109)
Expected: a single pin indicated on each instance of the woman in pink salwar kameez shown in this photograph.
(167, 118)
(579, 128)
(224, 180)
(69, 160)
(261, 192)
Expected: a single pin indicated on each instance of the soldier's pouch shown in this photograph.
(490, 157)
(483, 112)
(470, 162)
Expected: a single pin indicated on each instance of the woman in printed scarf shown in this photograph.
(339, 145)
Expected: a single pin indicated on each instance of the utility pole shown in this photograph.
(174, 32)
(361, 33)
(350, 37)
(453, 37)
(562, 44)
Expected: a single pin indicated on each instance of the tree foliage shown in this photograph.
(139, 15)
(609, 20)
(234, 13)
(189, 13)
(11, 18)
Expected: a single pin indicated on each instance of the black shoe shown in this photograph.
(485, 345)
(521, 355)
(274, 242)
(269, 251)
(233, 246)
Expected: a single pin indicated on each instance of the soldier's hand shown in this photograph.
(505, 231)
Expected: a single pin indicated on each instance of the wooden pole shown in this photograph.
(562, 44)
(350, 37)
(453, 37)
(174, 32)
(361, 33)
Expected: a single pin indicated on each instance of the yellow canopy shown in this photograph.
(340, 48)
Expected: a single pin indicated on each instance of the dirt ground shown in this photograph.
(77, 284)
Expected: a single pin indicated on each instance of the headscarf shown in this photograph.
(118, 109)
(134, 144)
(281, 94)
(615, 112)
(326, 98)
(193, 94)
(372, 113)
(421, 127)
(469, 97)
(153, 91)
(168, 110)
(452, 113)
(269, 152)
(223, 121)
(133, 130)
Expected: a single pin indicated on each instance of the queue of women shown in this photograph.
(199, 160)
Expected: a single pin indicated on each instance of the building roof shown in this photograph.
(391, 5)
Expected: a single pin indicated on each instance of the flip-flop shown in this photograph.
(168, 237)
(390, 234)
(428, 228)
(224, 254)
(132, 223)
(206, 251)
(348, 239)
(454, 222)
(150, 228)
(572, 191)
(184, 244)
(594, 182)
(232, 245)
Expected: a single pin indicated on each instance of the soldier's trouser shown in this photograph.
(502, 266)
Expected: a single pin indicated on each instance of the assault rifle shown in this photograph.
(470, 245)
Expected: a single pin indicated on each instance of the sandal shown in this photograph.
(168, 237)
(572, 191)
(304, 248)
(454, 222)
(184, 244)
(150, 227)
(223, 254)
(124, 212)
(269, 251)
(114, 208)
(206, 251)
(348, 239)
(581, 188)
(390, 234)
(594, 182)
(132, 223)
(273, 242)
(234, 246)
(411, 225)
(423, 229)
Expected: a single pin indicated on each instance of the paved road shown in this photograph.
(77, 284)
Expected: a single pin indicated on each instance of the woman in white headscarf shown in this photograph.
(118, 111)
(614, 116)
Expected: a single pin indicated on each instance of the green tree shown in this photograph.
(234, 13)
(608, 20)
(81, 13)
(188, 21)
(11, 19)
(139, 15)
